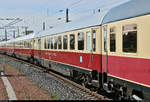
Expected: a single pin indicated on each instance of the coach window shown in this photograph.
(81, 41)
(94, 40)
(27, 44)
(45, 43)
(72, 42)
(24, 44)
(55, 42)
(88, 41)
(30, 46)
(48, 43)
(52, 43)
(65, 41)
(112, 39)
(130, 38)
(34, 44)
(59, 43)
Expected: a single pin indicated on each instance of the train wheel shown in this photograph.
(31, 60)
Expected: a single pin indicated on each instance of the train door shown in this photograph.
(14, 49)
(105, 55)
(91, 45)
(34, 46)
(39, 48)
(32, 50)
(88, 48)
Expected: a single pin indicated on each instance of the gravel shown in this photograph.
(56, 87)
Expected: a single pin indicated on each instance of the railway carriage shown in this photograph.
(10, 47)
(24, 48)
(20, 47)
(2, 47)
(125, 50)
(73, 49)
(7, 47)
(107, 50)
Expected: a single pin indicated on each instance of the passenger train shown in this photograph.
(108, 50)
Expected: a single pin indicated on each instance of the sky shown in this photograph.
(34, 12)
(42, 7)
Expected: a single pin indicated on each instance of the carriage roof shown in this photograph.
(88, 21)
(26, 37)
(130, 9)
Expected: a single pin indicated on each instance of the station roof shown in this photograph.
(84, 22)
(132, 8)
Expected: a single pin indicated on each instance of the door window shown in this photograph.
(94, 40)
(39, 44)
(112, 39)
(105, 38)
(88, 41)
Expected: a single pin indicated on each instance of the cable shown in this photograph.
(74, 3)
(102, 7)
(63, 9)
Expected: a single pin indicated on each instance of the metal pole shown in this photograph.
(67, 15)
(14, 34)
(18, 31)
(5, 34)
(43, 25)
(25, 30)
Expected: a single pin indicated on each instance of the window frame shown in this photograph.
(90, 48)
(70, 41)
(60, 40)
(112, 33)
(94, 50)
(55, 42)
(45, 43)
(127, 31)
(48, 43)
(83, 40)
(52, 43)
(66, 42)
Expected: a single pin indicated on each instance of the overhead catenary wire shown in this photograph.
(77, 4)
(101, 6)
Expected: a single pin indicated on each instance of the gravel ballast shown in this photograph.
(58, 89)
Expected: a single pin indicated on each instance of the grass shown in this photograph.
(28, 97)
(54, 96)
(25, 92)
(5, 92)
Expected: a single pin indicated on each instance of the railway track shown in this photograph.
(90, 95)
